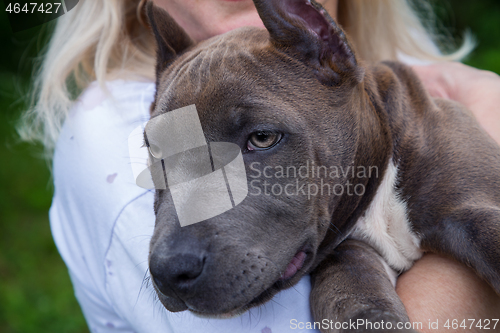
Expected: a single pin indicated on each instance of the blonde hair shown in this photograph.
(385, 29)
(104, 40)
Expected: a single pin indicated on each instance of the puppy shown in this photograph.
(294, 97)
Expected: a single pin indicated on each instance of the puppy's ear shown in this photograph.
(303, 29)
(171, 39)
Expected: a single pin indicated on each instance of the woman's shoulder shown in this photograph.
(93, 177)
(113, 92)
(95, 132)
(95, 191)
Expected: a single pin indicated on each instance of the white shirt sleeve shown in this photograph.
(102, 223)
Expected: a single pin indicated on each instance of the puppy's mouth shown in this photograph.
(294, 266)
(300, 263)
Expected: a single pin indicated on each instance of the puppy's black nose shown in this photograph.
(176, 273)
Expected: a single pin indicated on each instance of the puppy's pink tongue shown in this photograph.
(294, 265)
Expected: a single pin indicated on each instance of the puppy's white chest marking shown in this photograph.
(385, 225)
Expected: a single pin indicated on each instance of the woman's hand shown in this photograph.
(478, 90)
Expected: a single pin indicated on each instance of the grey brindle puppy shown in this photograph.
(295, 93)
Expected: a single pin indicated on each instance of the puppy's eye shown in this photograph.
(155, 151)
(263, 140)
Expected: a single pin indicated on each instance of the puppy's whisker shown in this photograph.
(144, 284)
(340, 232)
(298, 292)
(146, 237)
(276, 302)
(142, 262)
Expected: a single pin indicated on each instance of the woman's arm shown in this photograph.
(440, 289)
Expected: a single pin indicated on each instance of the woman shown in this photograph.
(102, 222)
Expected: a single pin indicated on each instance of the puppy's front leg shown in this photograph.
(351, 290)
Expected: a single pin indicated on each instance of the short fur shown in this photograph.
(301, 78)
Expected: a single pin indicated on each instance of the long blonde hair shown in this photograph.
(104, 40)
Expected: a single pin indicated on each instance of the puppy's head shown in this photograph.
(288, 97)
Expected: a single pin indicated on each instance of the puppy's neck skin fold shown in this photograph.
(373, 150)
(381, 126)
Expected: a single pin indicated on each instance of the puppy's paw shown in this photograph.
(378, 321)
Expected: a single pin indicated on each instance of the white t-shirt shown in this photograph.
(102, 222)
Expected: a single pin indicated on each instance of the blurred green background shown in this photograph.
(35, 291)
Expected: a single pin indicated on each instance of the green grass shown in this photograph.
(35, 290)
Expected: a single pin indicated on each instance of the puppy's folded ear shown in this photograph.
(171, 39)
(303, 29)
